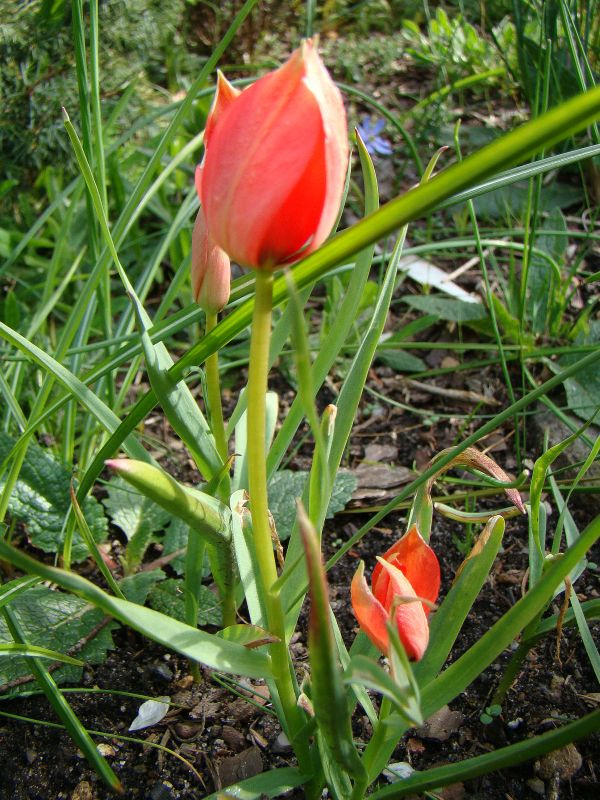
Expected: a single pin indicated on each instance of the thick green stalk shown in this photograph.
(257, 485)
(213, 391)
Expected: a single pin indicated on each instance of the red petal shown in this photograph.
(413, 556)
(411, 619)
(371, 615)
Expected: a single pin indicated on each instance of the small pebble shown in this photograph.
(281, 745)
(162, 671)
(83, 791)
(537, 786)
(161, 791)
(564, 763)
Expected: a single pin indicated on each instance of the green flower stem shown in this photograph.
(213, 390)
(257, 485)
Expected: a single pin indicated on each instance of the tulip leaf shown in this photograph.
(205, 648)
(249, 635)
(446, 622)
(243, 542)
(331, 708)
(366, 672)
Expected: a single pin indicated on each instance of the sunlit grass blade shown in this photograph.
(88, 538)
(33, 651)
(99, 410)
(447, 621)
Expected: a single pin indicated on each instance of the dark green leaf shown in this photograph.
(57, 621)
(285, 487)
(168, 597)
(41, 501)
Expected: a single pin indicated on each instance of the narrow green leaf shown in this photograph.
(99, 410)
(328, 696)
(446, 623)
(366, 672)
(273, 783)
(32, 651)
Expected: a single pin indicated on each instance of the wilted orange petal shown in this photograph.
(371, 615)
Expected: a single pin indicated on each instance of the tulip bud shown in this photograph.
(211, 273)
(275, 162)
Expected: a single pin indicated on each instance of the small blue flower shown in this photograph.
(369, 131)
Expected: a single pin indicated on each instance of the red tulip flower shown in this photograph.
(276, 154)
(407, 575)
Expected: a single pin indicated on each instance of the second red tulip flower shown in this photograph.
(406, 575)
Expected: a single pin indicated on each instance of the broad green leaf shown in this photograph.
(583, 389)
(286, 486)
(175, 541)
(56, 621)
(401, 361)
(41, 501)
(168, 597)
(543, 283)
(137, 587)
(205, 648)
(138, 516)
